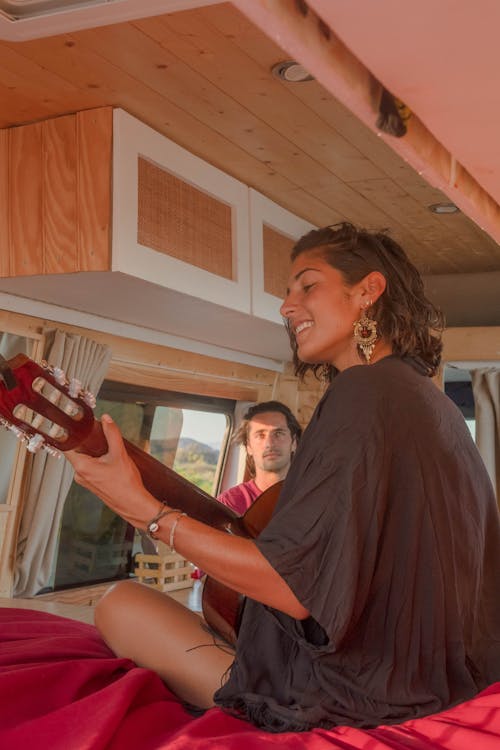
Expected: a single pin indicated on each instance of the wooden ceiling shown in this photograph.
(203, 78)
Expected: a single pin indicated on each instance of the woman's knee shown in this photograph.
(116, 605)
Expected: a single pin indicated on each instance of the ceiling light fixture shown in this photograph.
(444, 208)
(291, 72)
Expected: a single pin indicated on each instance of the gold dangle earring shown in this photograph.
(365, 333)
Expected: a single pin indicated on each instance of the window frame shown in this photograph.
(118, 391)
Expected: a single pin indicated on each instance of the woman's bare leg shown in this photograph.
(157, 632)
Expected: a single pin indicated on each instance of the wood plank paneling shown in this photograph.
(73, 60)
(274, 144)
(17, 108)
(59, 187)
(162, 367)
(471, 343)
(4, 203)
(303, 148)
(202, 77)
(276, 248)
(26, 200)
(193, 38)
(458, 236)
(56, 184)
(48, 92)
(133, 51)
(94, 147)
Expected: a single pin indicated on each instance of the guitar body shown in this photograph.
(44, 410)
(222, 606)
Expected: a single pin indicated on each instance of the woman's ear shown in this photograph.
(373, 286)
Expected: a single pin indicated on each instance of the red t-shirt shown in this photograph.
(240, 497)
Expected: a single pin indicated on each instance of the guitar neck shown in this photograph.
(168, 486)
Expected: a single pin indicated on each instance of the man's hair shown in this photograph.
(241, 435)
(406, 318)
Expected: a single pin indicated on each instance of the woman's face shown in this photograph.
(321, 309)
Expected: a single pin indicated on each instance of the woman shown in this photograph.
(371, 594)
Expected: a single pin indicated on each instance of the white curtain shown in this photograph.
(10, 345)
(50, 477)
(486, 389)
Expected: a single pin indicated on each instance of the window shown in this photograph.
(458, 387)
(186, 433)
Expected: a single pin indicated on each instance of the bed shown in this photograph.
(61, 688)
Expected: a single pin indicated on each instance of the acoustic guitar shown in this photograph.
(46, 411)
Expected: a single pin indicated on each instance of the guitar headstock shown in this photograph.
(41, 407)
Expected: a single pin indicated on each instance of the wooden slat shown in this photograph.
(444, 233)
(456, 229)
(79, 59)
(237, 123)
(471, 343)
(184, 382)
(26, 212)
(134, 52)
(4, 204)
(94, 130)
(193, 38)
(129, 353)
(327, 208)
(16, 108)
(202, 77)
(230, 22)
(277, 248)
(352, 83)
(49, 92)
(59, 186)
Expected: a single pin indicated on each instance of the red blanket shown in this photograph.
(62, 689)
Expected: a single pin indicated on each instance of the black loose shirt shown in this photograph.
(387, 531)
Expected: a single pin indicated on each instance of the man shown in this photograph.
(270, 433)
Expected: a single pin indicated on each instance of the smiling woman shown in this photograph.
(370, 298)
(322, 310)
(384, 545)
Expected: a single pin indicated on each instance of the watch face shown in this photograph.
(153, 528)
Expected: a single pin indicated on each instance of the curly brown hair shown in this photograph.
(405, 317)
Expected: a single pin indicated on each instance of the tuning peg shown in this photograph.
(59, 375)
(16, 430)
(51, 450)
(89, 399)
(57, 372)
(74, 388)
(35, 443)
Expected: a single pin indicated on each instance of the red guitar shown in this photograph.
(47, 412)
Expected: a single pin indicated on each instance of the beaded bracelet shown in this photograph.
(153, 526)
(172, 531)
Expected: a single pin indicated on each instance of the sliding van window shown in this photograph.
(458, 386)
(187, 433)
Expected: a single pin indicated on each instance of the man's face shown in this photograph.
(270, 442)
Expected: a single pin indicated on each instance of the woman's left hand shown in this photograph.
(115, 478)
